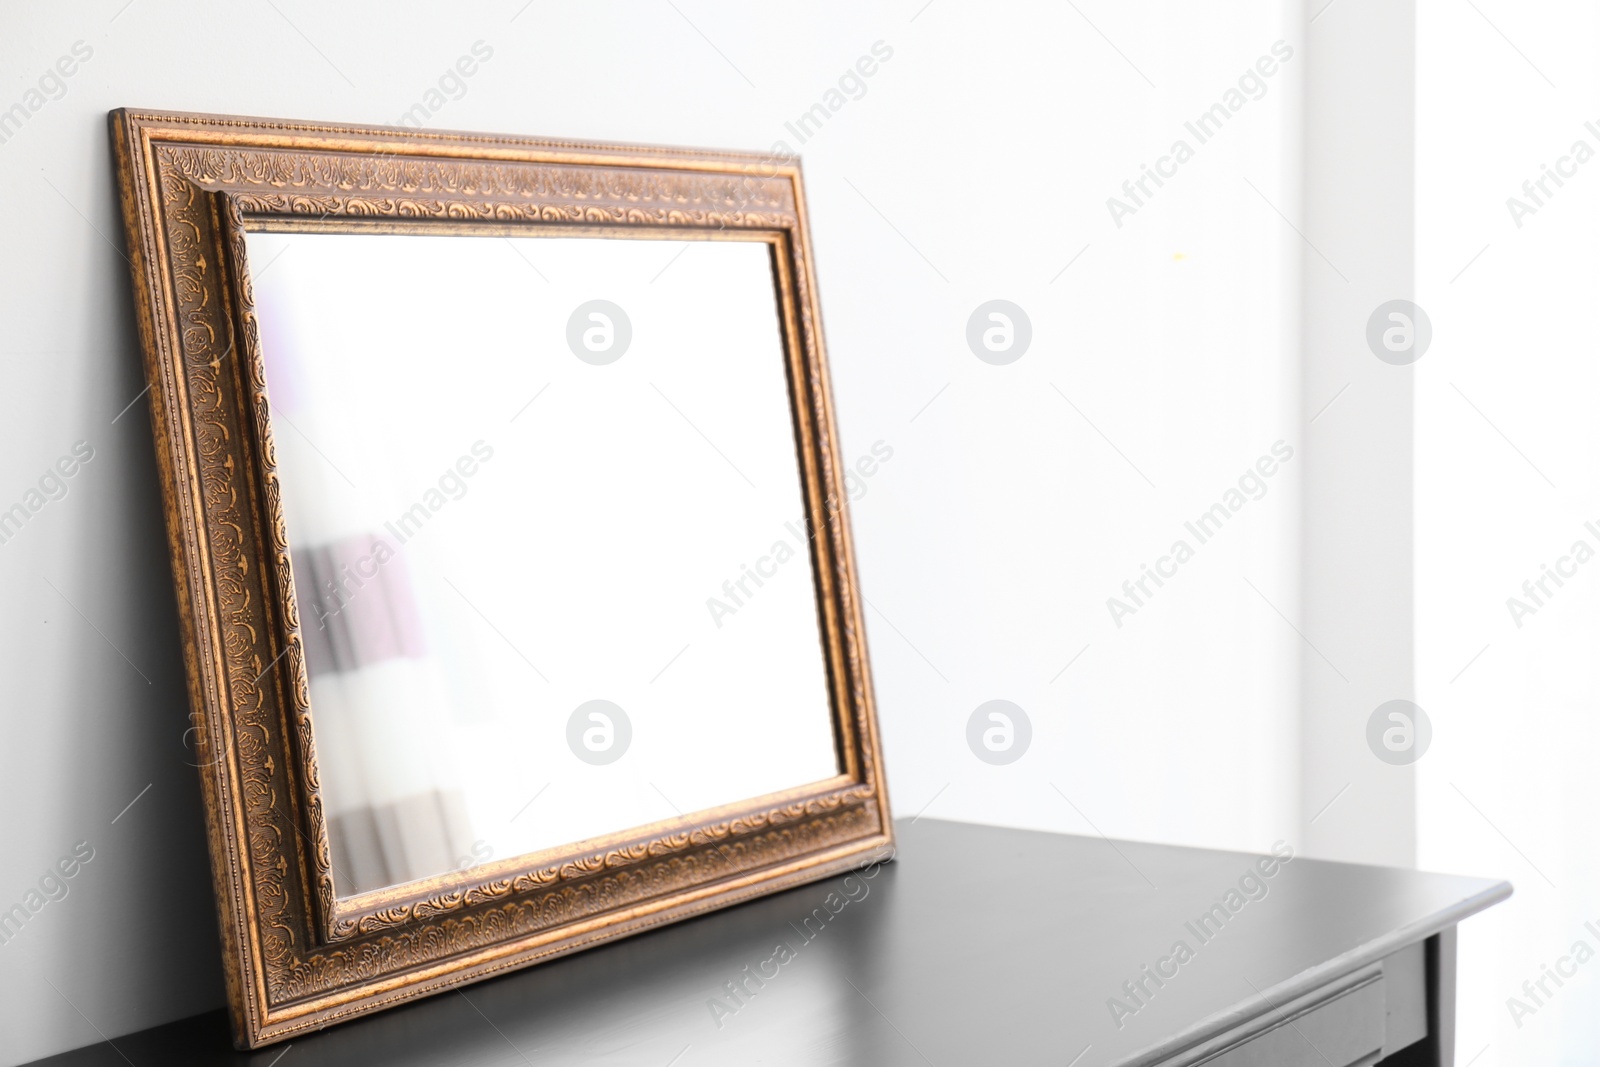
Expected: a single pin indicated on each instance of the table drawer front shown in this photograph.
(1344, 1030)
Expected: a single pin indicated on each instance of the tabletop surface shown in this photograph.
(977, 945)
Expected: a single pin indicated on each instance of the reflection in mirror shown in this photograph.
(548, 539)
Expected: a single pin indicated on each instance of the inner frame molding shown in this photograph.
(296, 956)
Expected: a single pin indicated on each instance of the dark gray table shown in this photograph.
(978, 946)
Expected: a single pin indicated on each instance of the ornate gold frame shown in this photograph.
(296, 957)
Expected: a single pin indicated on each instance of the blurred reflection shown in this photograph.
(547, 536)
(395, 812)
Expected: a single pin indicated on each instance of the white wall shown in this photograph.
(976, 166)
(1357, 253)
(1030, 493)
(1508, 473)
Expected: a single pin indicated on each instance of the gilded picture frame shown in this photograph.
(296, 956)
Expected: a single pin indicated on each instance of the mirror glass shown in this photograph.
(549, 546)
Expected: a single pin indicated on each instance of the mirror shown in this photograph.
(541, 490)
(511, 545)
